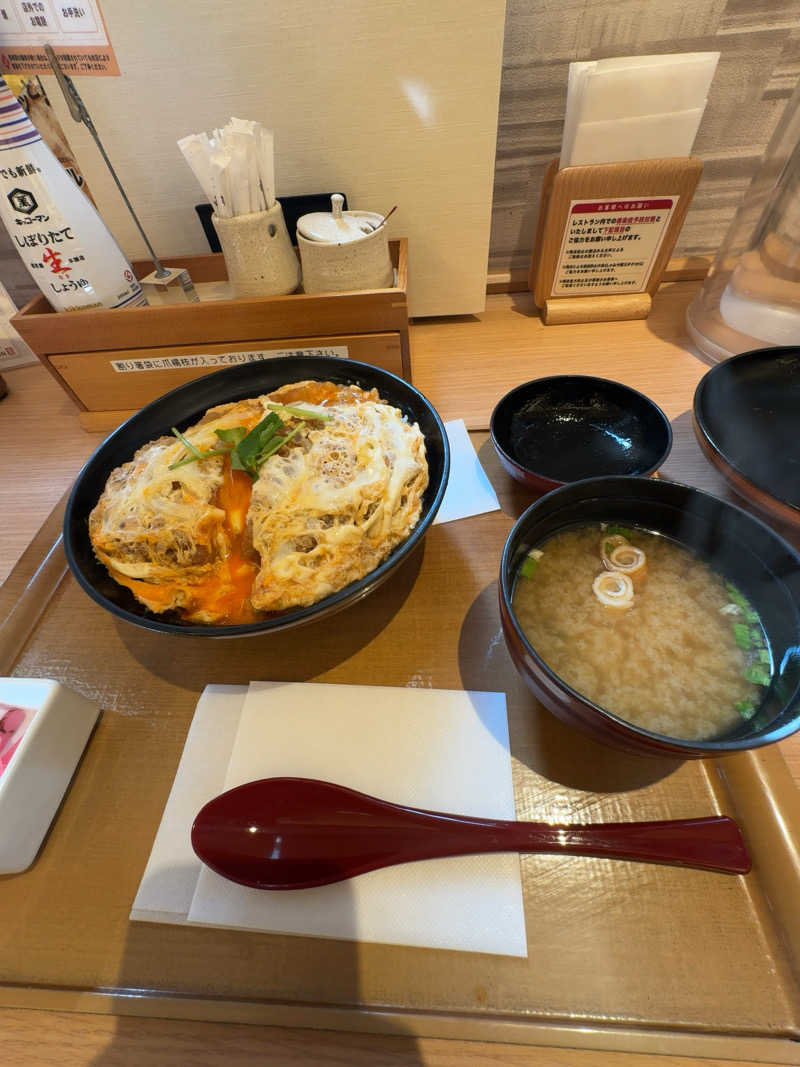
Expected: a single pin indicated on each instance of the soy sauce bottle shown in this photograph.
(66, 246)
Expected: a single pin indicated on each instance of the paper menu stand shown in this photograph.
(605, 234)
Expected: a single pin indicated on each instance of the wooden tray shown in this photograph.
(621, 955)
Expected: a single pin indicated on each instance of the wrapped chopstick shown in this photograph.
(235, 167)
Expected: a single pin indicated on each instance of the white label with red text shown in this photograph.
(610, 245)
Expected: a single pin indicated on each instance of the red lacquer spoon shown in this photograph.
(294, 833)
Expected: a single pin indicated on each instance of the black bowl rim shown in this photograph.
(648, 402)
(286, 620)
(698, 405)
(685, 744)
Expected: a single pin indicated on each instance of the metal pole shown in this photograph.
(79, 112)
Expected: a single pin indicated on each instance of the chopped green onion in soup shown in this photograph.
(684, 657)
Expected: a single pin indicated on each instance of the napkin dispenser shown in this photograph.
(613, 205)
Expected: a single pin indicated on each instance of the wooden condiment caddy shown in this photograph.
(579, 250)
(111, 363)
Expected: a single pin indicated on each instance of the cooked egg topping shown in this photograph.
(328, 511)
(327, 508)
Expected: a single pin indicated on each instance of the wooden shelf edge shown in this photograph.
(679, 268)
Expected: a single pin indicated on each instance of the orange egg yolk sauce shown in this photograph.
(224, 596)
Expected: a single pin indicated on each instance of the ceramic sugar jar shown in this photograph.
(344, 250)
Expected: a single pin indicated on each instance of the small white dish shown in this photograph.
(44, 727)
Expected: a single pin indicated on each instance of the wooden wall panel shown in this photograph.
(759, 41)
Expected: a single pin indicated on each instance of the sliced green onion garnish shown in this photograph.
(274, 445)
(741, 631)
(529, 565)
(233, 435)
(746, 708)
(299, 413)
(736, 596)
(757, 674)
(195, 453)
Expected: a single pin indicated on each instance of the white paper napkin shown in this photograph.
(635, 107)
(169, 880)
(469, 491)
(637, 137)
(438, 749)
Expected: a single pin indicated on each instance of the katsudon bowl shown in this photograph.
(740, 548)
(183, 407)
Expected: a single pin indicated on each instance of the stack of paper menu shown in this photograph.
(635, 107)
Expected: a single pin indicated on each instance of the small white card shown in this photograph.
(469, 491)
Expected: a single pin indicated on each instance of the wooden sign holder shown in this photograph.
(643, 179)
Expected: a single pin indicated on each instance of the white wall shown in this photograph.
(391, 101)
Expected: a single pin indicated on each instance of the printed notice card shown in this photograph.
(74, 28)
(610, 246)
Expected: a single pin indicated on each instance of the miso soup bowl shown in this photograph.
(740, 547)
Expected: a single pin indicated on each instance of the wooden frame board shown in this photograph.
(651, 177)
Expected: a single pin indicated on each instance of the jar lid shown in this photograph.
(337, 226)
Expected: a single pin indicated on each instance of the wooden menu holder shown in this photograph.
(565, 192)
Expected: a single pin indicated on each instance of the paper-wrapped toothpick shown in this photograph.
(235, 167)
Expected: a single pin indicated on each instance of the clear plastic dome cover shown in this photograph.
(751, 296)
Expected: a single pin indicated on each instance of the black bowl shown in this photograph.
(737, 545)
(184, 406)
(551, 431)
(747, 417)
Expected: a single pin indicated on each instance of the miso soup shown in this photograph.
(645, 629)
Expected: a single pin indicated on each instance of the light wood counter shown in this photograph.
(42, 448)
(464, 365)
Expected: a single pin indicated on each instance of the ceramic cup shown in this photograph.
(258, 253)
(361, 264)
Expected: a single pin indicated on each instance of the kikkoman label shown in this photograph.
(610, 246)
